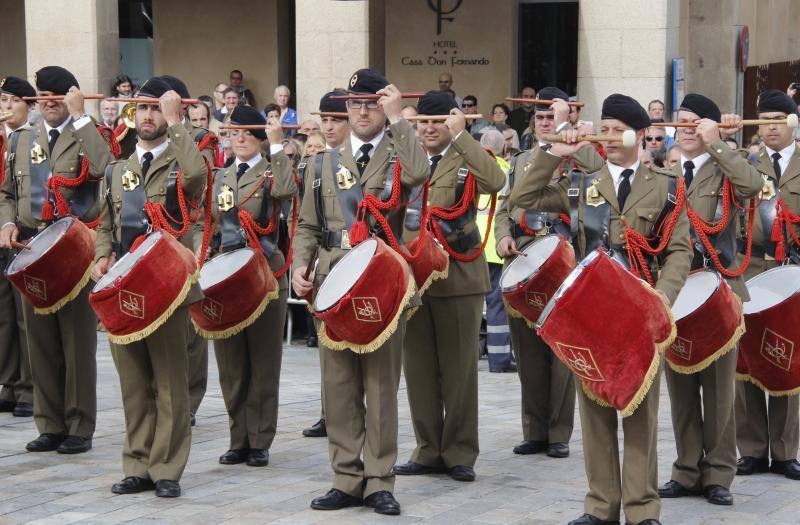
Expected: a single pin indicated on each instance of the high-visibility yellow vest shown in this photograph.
(483, 217)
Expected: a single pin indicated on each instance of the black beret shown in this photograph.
(436, 103)
(367, 81)
(154, 88)
(17, 87)
(177, 85)
(702, 106)
(549, 93)
(626, 109)
(55, 79)
(249, 115)
(336, 105)
(776, 100)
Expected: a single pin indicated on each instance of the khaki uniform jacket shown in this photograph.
(649, 192)
(704, 192)
(472, 277)
(415, 170)
(788, 189)
(15, 204)
(587, 159)
(281, 174)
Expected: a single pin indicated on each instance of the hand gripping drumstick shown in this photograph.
(59, 98)
(628, 138)
(791, 121)
(542, 102)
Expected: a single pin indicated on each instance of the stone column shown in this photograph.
(626, 47)
(80, 35)
(12, 39)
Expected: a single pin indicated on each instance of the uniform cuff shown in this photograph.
(78, 124)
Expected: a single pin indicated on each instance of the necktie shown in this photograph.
(435, 162)
(147, 158)
(363, 159)
(624, 188)
(688, 172)
(53, 138)
(243, 167)
(776, 165)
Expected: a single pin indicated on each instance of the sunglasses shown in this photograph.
(648, 138)
(467, 105)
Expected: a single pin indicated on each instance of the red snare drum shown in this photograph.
(362, 298)
(767, 349)
(237, 287)
(143, 288)
(609, 328)
(432, 263)
(528, 282)
(56, 267)
(709, 319)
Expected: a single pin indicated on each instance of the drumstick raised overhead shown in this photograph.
(334, 114)
(256, 126)
(440, 117)
(628, 138)
(369, 96)
(791, 121)
(149, 100)
(58, 98)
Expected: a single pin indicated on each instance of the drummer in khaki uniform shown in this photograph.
(62, 344)
(439, 359)
(152, 373)
(638, 194)
(548, 389)
(705, 432)
(767, 426)
(16, 395)
(249, 362)
(362, 439)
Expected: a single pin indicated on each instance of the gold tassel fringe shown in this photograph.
(759, 384)
(727, 347)
(238, 327)
(433, 277)
(75, 292)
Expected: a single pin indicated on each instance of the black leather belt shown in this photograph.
(336, 239)
(757, 250)
(465, 242)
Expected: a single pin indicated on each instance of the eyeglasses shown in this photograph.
(467, 105)
(358, 104)
(648, 138)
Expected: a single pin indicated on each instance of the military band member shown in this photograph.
(439, 353)
(767, 426)
(633, 191)
(152, 373)
(548, 389)
(705, 432)
(362, 436)
(62, 344)
(16, 395)
(249, 362)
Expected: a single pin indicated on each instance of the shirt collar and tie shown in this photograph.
(54, 133)
(691, 167)
(623, 179)
(780, 159)
(243, 165)
(153, 154)
(359, 146)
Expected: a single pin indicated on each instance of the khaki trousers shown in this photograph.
(198, 367)
(15, 367)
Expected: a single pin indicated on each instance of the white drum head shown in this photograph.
(223, 266)
(344, 275)
(699, 287)
(128, 261)
(40, 244)
(523, 268)
(772, 287)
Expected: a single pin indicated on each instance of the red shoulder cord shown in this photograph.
(783, 217)
(637, 244)
(57, 182)
(705, 228)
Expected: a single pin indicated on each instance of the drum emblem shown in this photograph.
(37, 154)
(130, 180)
(580, 361)
(777, 350)
(536, 299)
(212, 310)
(367, 309)
(344, 179)
(35, 287)
(225, 198)
(131, 304)
(682, 348)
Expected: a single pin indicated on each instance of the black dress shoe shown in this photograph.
(504, 369)
(132, 485)
(75, 445)
(166, 488)
(45, 443)
(649, 522)
(558, 450)
(462, 473)
(258, 457)
(588, 519)
(317, 430)
(717, 495)
(412, 468)
(530, 447)
(234, 457)
(335, 499)
(673, 489)
(6, 405)
(789, 468)
(23, 410)
(312, 342)
(748, 465)
(383, 502)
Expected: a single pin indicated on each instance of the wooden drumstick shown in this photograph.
(256, 126)
(542, 102)
(58, 98)
(628, 138)
(791, 121)
(440, 117)
(514, 251)
(307, 274)
(15, 244)
(150, 100)
(370, 96)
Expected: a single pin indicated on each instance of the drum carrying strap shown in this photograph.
(596, 219)
(115, 244)
(767, 213)
(348, 189)
(40, 172)
(133, 218)
(301, 174)
(456, 226)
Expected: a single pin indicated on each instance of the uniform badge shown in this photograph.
(768, 190)
(37, 154)
(344, 179)
(353, 79)
(225, 198)
(593, 197)
(130, 180)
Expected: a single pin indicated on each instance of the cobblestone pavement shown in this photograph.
(50, 488)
